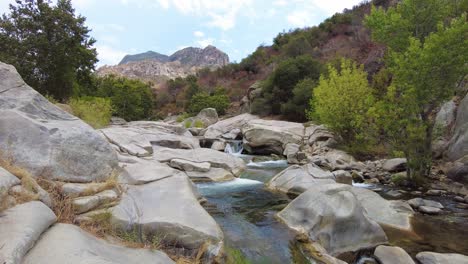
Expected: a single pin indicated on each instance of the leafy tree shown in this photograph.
(342, 100)
(218, 100)
(49, 46)
(95, 111)
(426, 58)
(131, 99)
(295, 108)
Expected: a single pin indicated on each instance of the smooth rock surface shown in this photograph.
(76, 189)
(88, 203)
(417, 202)
(342, 176)
(438, 258)
(458, 145)
(297, 179)
(186, 165)
(213, 175)
(167, 208)
(392, 255)
(45, 140)
(20, 227)
(332, 216)
(217, 159)
(145, 171)
(394, 165)
(7, 180)
(227, 125)
(68, 244)
(429, 210)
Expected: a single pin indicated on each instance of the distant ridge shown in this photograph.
(149, 55)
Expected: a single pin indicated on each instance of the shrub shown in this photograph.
(188, 124)
(198, 124)
(295, 108)
(219, 101)
(93, 110)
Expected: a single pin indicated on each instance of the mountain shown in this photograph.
(156, 67)
(149, 55)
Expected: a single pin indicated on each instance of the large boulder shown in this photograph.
(319, 136)
(438, 258)
(458, 170)
(392, 255)
(46, 141)
(139, 141)
(458, 146)
(64, 243)
(144, 171)
(208, 116)
(332, 216)
(20, 227)
(217, 159)
(271, 136)
(297, 179)
(334, 159)
(224, 127)
(169, 209)
(394, 165)
(442, 126)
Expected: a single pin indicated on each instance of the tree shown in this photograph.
(426, 58)
(218, 100)
(342, 101)
(295, 108)
(49, 46)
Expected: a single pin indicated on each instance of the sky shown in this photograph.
(236, 27)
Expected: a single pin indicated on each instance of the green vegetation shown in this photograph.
(93, 110)
(131, 99)
(235, 256)
(49, 46)
(427, 56)
(218, 100)
(342, 101)
(199, 124)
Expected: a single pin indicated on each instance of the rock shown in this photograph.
(446, 115)
(213, 175)
(438, 258)
(233, 134)
(208, 116)
(217, 159)
(357, 177)
(392, 255)
(7, 180)
(459, 199)
(394, 165)
(458, 145)
(170, 209)
(33, 191)
(139, 141)
(435, 192)
(395, 214)
(88, 203)
(145, 171)
(186, 165)
(118, 121)
(271, 136)
(429, 210)
(394, 194)
(20, 227)
(195, 131)
(342, 176)
(332, 216)
(466, 199)
(297, 179)
(290, 152)
(458, 170)
(64, 243)
(78, 189)
(417, 202)
(334, 159)
(161, 127)
(45, 140)
(227, 125)
(319, 136)
(219, 145)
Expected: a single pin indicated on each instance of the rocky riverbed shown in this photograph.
(157, 192)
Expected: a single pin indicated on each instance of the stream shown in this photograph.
(245, 210)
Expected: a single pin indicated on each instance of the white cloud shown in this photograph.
(198, 34)
(280, 3)
(82, 3)
(205, 42)
(108, 55)
(299, 18)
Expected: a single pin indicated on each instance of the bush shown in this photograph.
(95, 111)
(296, 107)
(219, 101)
(131, 99)
(198, 124)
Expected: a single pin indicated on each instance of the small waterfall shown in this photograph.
(234, 147)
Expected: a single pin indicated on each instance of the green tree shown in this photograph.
(49, 46)
(426, 58)
(131, 99)
(218, 100)
(342, 101)
(295, 109)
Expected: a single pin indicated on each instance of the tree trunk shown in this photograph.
(419, 155)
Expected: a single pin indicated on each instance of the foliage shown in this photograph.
(188, 124)
(182, 117)
(49, 46)
(342, 101)
(235, 256)
(278, 88)
(198, 124)
(295, 108)
(427, 57)
(131, 99)
(95, 111)
(218, 100)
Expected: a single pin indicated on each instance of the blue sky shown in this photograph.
(235, 26)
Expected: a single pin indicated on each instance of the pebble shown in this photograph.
(429, 210)
(435, 192)
(459, 199)
(416, 193)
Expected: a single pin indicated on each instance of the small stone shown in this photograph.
(435, 192)
(466, 199)
(416, 193)
(418, 202)
(377, 189)
(373, 181)
(459, 199)
(394, 194)
(391, 255)
(462, 206)
(429, 210)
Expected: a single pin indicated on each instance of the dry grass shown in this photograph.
(4, 203)
(110, 183)
(62, 204)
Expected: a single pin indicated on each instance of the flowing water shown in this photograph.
(245, 211)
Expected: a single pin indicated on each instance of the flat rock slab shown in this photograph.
(7, 180)
(224, 127)
(438, 258)
(217, 159)
(417, 202)
(64, 243)
(88, 203)
(167, 208)
(20, 227)
(392, 255)
(213, 175)
(139, 141)
(429, 210)
(297, 179)
(47, 141)
(186, 165)
(331, 215)
(144, 171)
(76, 189)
